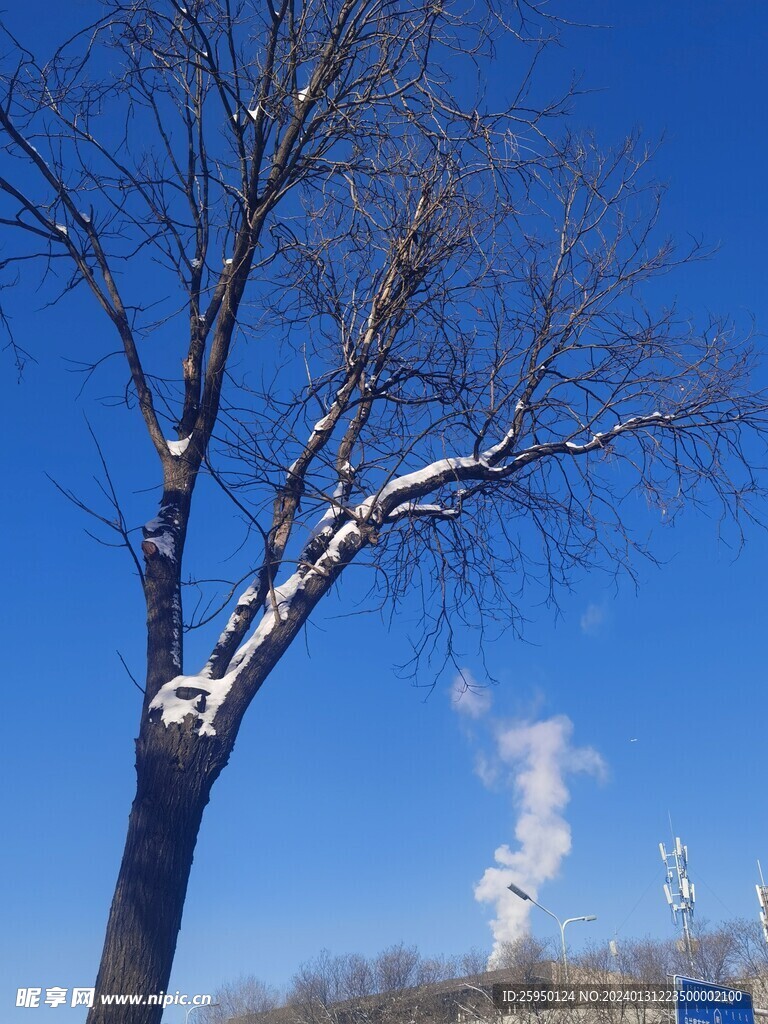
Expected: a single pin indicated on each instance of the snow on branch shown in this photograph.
(339, 531)
(401, 496)
(414, 509)
(202, 696)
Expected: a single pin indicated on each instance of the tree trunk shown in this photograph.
(176, 768)
(175, 771)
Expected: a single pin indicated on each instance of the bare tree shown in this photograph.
(410, 333)
(397, 986)
(247, 996)
(715, 953)
(647, 959)
(525, 958)
(750, 950)
(348, 989)
(328, 982)
(397, 968)
(639, 963)
(320, 985)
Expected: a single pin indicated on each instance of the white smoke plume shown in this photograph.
(536, 758)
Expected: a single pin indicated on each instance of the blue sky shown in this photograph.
(351, 815)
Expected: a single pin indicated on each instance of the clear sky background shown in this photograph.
(352, 815)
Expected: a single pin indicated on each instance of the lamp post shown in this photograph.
(197, 1007)
(560, 924)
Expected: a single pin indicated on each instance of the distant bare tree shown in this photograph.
(350, 988)
(247, 996)
(750, 949)
(397, 968)
(392, 327)
(715, 953)
(435, 969)
(524, 958)
(344, 989)
(472, 964)
(525, 961)
(637, 963)
(356, 976)
(401, 986)
(318, 985)
(648, 960)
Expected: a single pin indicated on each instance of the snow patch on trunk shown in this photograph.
(165, 544)
(177, 448)
(160, 531)
(192, 695)
(202, 696)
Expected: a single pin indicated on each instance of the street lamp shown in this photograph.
(197, 1006)
(560, 924)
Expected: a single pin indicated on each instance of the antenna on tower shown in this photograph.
(680, 892)
(762, 899)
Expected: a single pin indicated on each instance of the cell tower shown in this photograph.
(679, 890)
(762, 899)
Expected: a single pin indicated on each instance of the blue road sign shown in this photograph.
(701, 1002)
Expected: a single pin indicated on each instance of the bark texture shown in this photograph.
(175, 771)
